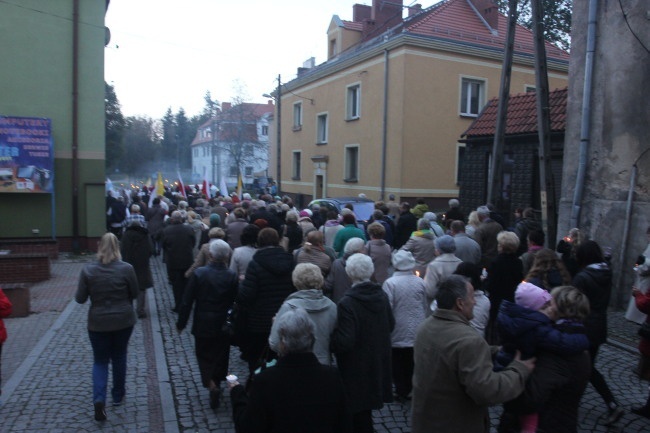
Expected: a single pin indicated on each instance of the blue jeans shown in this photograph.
(109, 346)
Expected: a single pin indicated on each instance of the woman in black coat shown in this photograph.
(362, 343)
(265, 287)
(298, 394)
(503, 276)
(212, 290)
(595, 280)
(136, 248)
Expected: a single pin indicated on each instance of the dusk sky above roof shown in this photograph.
(167, 53)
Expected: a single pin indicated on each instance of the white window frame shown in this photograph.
(265, 130)
(353, 101)
(347, 164)
(296, 164)
(248, 171)
(466, 83)
(530, 88)
(322, 128)
(297, 116)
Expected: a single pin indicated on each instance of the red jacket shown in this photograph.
(5, 311)
(643, 304)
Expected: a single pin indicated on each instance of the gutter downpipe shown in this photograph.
(384, 138)
(626, 228)
(585, 123)
(75, 127)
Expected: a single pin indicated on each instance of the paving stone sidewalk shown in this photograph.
(47, 371)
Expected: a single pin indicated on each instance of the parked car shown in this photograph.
(363, 207)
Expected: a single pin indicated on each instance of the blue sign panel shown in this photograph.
(26, 155)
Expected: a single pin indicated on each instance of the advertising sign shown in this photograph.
(26, 155)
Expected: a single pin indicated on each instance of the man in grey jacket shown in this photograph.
(453, 381)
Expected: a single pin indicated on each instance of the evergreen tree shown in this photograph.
(140, 145)
(114, 126)
(557, 19)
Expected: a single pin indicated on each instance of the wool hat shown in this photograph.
(215, 220)
(304, 214)
(483, 210)
(403, 260)
(530, 296)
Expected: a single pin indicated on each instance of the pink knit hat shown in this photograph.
(530, 296)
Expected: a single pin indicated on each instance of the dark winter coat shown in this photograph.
(297, 395)
(178, 245)
(504, 275)
(556, 386)
(265, 287)
(530, 331)
(523, 227)
(362, 344)
(155, 217)
(406, 224)
(595, 281)
(136, 247)
(212, 290)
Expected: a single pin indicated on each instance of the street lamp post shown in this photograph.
(278, 118)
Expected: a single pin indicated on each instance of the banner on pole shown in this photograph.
(26, 155)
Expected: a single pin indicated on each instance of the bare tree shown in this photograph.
(238, 136)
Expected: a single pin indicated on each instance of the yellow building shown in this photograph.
(384, 113)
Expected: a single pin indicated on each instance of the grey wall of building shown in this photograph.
(620, 128)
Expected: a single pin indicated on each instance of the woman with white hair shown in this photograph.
(442, 266)
(433, 223)
(298, 394)
(338, 282)
(212, 290)
(308, 280)
(362, 343)
(111, 285)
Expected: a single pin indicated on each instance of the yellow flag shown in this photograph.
(240, 186)
(160, 186)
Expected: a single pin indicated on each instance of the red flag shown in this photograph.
(205, 189)
(182, 188)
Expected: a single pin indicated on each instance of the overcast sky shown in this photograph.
(167, 53)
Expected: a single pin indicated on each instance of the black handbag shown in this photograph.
(644, 331)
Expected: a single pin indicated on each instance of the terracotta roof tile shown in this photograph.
(522, 115)
(456, 20)
(353, 25)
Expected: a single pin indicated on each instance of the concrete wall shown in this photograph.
(619, 131)
(36, 81)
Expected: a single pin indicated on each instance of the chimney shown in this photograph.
(415, 9)
(383, 15)
(360, 12)
(488, 11)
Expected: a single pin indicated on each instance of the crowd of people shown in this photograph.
(336, 317)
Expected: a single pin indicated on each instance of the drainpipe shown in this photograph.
(75, 127)
(626, 229)
(585, 123)
(384, 138)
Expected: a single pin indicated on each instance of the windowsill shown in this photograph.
(473, 116)
(296, 128)
(352, 180)
(352, 119)
(322, 143)
(295, 178)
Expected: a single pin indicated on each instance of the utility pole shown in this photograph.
(495, 186)
(278, 110)
(546, 185)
